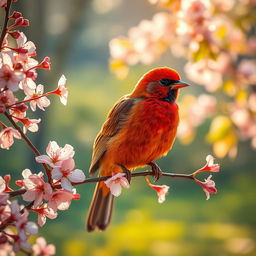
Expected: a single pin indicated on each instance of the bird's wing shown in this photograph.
(114, 123)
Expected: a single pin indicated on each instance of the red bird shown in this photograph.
(139, 129)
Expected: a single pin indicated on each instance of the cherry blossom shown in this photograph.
(19, 242)
(44, 211)
(28, 46)
(67, 174)
(60, 200)
(16, 210)
(37, 99)
(247, 71)
(4, 183)
(201, 73)
(55, 154)
(210, 166)
(41, 248)
(37, 189)
(208, 186)
(10, 78)
(7, 98)
(61, 90)
(29, 124)
(18, 112)
(6, 249)
(193, 112)
(25, 228)
(5, 210)
(161, 190)
(3, 3)
(116, 182)
(7, 136)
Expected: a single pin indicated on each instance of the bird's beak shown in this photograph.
(179, 84)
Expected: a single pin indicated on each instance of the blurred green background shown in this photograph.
(75, 34)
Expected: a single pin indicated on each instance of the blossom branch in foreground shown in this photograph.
(30, 144)
(104, 178)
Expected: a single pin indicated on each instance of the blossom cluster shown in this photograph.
(19, 91)
(118, 180)
(216, 39)
(45, 198)
(18, 74)
(16, 229)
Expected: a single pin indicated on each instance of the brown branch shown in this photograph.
(98, 179)
(30, 144)
(6, 19)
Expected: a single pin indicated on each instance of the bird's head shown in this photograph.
(162, 83)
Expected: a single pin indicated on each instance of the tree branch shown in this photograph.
(98, 179)
(30, 144)
(4, 29)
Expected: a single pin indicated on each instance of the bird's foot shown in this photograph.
(157, 172)
(127, 172)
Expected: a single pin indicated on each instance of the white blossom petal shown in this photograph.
(76, 176)
(66, 184)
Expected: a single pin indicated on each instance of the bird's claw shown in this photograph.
(127, 173)
(157, 172)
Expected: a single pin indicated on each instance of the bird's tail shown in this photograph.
(100, 211)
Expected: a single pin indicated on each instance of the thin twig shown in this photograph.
(6, 19)
(30, 144)
(98, 179)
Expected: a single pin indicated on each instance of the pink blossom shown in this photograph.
(6, 249)
(45, 64)
(6, 99)
(37, 189)
(6, 137)
(15, 210)
(44, 211)
(10, 78)
(116, 182)
(208, 186)
(196, 12)
(61, 90)
(3, 199)
(199, 72)
(148, 44)
(161, 190)
(40, 248)
(25, 228)
(66, 174)
(29, 124)
(247, 71)
(210, 166)
(55, 154)
(37, 99)
(5, 210)
(60, 199)
(18, 112)
(4, 183)
(252, 102)
(3, 3)
(20, 242)
(28, 46)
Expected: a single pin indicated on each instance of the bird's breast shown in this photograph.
(148, 133)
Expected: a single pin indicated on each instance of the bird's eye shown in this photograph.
(164, 82)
